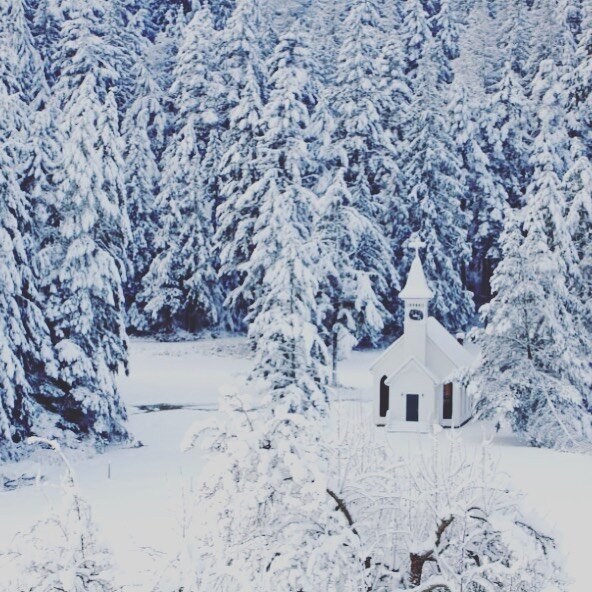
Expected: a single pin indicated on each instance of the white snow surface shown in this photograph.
(137, 508)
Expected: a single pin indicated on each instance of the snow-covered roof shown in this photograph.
(417, 285)
(387, 351)
(459, 355)
(412, 360)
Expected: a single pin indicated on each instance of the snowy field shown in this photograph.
(137, 493)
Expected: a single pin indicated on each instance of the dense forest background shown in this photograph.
(160, 160)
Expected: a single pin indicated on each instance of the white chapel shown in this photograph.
(414, 379)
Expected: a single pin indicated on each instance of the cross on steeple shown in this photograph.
(416, 243)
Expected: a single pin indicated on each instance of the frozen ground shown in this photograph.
(173, 384)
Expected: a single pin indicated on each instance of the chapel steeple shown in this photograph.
(416, 295)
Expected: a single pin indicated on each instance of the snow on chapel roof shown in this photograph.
(417, 285)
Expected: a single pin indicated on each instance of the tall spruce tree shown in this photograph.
(26, 356)
(242, 62)
(580, 89)
(284, 162)
(180, 289)
(436, 186)
(84, 253)
(143, 135)
(28, 66)
(506, 126)
(416, 32)
(360, 100)
(484, 197)
(272, 450)
(238, 212)
(535, 341)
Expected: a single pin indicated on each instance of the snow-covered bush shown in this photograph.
(61, 552)
(440, 518)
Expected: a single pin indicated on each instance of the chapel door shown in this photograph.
(412, 408)
(447, 401)
(384, 397)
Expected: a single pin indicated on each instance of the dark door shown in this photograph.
(384, 397)
(412, 407)
(447, 401)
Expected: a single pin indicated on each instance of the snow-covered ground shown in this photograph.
(136, 493)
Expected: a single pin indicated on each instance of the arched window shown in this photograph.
(384, 397)
(447, 401)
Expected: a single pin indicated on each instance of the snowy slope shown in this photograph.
(138, 508)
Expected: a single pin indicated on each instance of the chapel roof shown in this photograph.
(460, 355)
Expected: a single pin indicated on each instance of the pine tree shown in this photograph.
(484, 196)
(507, 130)
(269, 457)
(577, 185)
(143, 136)
(180, 289)
(447, 28)
(534, 338)
(347, 300)
(516, 32)
(238, 212)
(580, 88)
(416, 33)
(28, 67)
(167, 43)
(529, 347)
(84, 253)
(359, 100)
(283, 196)
(26, 353)
(436, 187)
(221, 12)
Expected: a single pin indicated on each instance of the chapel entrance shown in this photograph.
(412, 408)
(384, 397)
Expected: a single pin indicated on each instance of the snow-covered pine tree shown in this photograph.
(28, 66)
(242, 60)
(360, 100)
(478, 45)
(238, 212)
(346, 300)
(396, 121)
(580, 88)
(180, 289)
(507, 129)
(515, 36)
(484, 197)
(221, 12)
(267, 452)
(436, 187)
(535, 347)
(396, 86)
(83, 254)
(24, 338)
(167, 42)
(416, 32)
(321, 21)
(143, 135)
(47, 21)
(284, 162)
(577, 185)
(446, 26)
